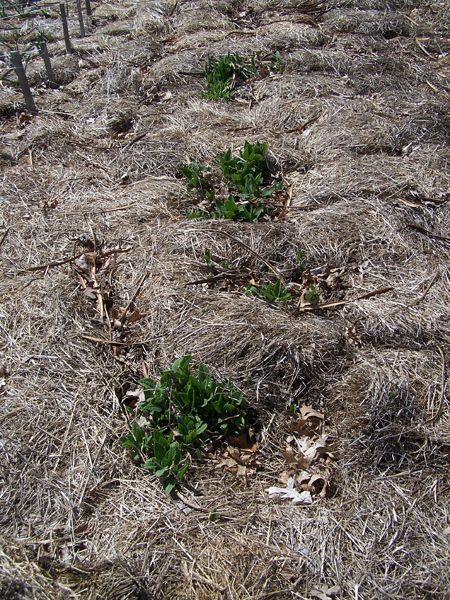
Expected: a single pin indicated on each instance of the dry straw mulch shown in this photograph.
(358, 123)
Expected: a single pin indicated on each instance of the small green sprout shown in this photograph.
(271, 292)
(312, 295)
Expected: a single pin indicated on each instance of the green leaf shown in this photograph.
(188, 409)
(169, 487)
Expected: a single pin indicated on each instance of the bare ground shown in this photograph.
(358, 123)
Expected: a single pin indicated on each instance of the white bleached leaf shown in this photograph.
(290, 493)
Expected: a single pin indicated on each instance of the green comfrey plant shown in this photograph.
(248, 172)
(197, 178)
(312, 295)
(271, 292)
(222, 74)
(214, 263)
(237, 211)
(182, 411)
(249, 179)
(277, 64)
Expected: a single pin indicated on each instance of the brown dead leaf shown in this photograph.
(134, 316)
(318, 485)
(308, 412)
(23, 119)
(90, 293)
(303, 478)
(242, 441)
(317, 449)
(310, 422)
(285, 476)
(226, 464)
(133, 397)
(289, 455)
(238, 461)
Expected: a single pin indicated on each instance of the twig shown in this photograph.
(136, 138)
(98, 340)
(424, 231)
(65, 261)
(214, 278)
(424, 50)
(101, 212)
(4, 236)
(133, 297)
(436, 416)
(303, 126)
(173, 8)
(376, 292)
(427, 289)
(274, 270)
(51, 265)
(299, 19)
(185, 501)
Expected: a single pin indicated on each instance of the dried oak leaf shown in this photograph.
(325, 592)
(310, 450)
(309, 423)
(242, 440)
(238, 461)
(294, 459)
(90, 293)
(318, 485)
(134, 397)
(134, 316)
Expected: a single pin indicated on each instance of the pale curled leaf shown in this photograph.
(290, 493)
(325, 592)
(308, 412)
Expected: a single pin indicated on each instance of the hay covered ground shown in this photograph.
(358, 123)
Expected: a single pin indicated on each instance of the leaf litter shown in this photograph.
(308, 459)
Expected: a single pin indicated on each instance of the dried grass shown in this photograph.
(358, 124)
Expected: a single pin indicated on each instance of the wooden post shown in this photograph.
(80, 18)
(46, 58)
(16, 61)
(88, 8)
(62, 9)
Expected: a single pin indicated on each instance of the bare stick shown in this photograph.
(62, 10)
(23, 81)
(376, 292)
(133, 297)
(4, 236)
(46, 58)
(88, 8)
(65, 261)
(80, 18)
(98, 340)
(247, 247)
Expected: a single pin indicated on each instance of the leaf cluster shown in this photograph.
(248, 178)
(197, 177)
(222, 75)
(277, 64)
(184, 410)
(271, 292)
(312, 295)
